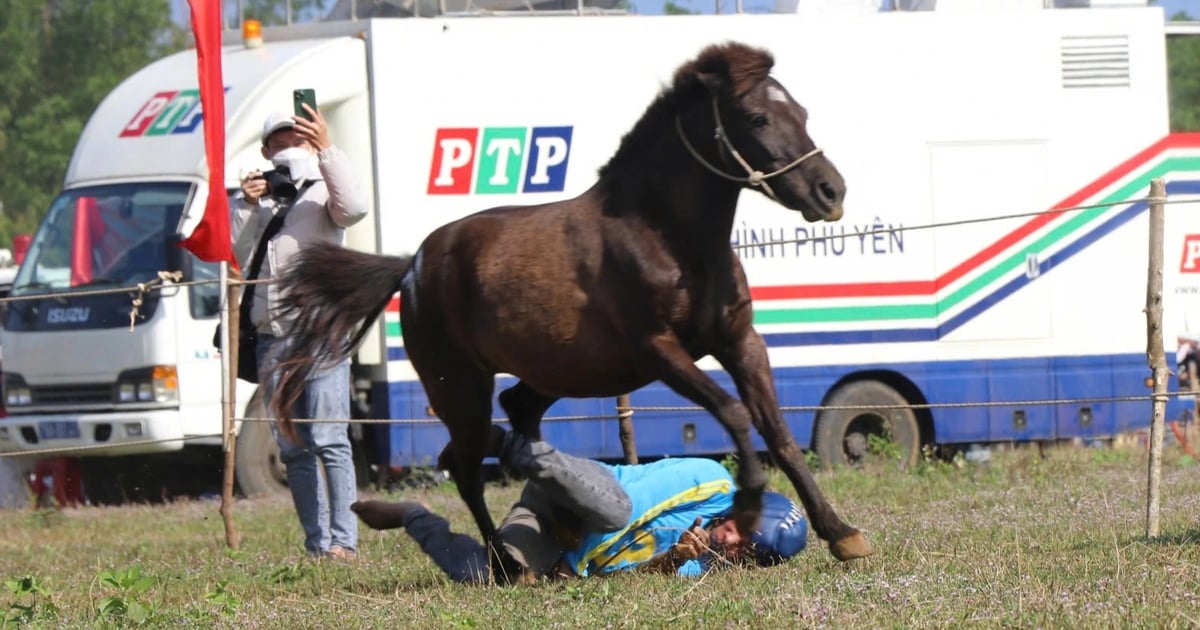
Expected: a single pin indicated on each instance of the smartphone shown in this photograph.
(301, 98)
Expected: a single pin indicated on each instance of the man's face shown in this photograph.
(727, 540)
(284, 139)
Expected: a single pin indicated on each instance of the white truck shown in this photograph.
(946, 116)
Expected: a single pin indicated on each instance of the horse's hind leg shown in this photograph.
(747, 362)
(676, 368)
(525, 408)
(462, 398)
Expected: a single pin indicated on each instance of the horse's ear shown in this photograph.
(729, 70)
(711, 70)
(713, 82)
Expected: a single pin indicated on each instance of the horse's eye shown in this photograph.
(758, 120)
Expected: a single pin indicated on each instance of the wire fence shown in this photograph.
(619, 412)
(173, 280)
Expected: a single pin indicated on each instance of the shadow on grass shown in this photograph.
(1190, 536)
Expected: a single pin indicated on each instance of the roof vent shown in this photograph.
(1100, 61)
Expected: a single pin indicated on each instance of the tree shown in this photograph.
(274, 12)
(670, 8)
(1183, 79)
(58, 59)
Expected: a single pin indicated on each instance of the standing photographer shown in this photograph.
(312, 183)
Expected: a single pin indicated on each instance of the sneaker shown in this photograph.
(340, 554)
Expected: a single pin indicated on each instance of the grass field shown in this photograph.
(1025, 541)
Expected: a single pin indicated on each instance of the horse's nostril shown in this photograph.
(828, 193)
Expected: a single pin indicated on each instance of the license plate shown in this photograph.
(58, 430)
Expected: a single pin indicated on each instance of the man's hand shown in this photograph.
(254, 187)
(316, 131)
(693, 543)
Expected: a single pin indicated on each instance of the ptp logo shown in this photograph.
(166, 112)
(1191, 254)
(509, 160)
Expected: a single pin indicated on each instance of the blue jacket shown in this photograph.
(667, 497)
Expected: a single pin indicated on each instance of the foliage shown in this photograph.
(731, 463)
(1183, 71)
(275, 12)
(884, 447)
(38, 607)
(58, 59)
(670, 7)
(224, 600)
(127, 603)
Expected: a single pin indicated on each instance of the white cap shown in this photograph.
(277, 120)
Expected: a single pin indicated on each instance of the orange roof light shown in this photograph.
(252, 33)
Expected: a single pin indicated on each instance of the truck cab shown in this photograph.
(111, 353)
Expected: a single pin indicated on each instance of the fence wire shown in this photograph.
(160, 284)
(621, 411)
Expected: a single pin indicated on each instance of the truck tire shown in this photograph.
(259, 471)
(841, 435)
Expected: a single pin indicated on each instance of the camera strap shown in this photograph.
(260, 251)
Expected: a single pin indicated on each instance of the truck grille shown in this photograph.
(89, 394)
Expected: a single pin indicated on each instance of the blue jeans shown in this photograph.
(322, 502)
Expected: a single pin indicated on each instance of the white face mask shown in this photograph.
(300, 162)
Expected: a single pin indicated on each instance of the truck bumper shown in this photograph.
(99, 434)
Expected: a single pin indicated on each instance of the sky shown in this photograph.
(1171, 7)
(655, 7)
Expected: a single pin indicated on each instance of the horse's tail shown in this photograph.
(326, 291)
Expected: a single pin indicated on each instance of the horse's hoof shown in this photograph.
(853, 546)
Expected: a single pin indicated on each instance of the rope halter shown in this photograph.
(754, 177)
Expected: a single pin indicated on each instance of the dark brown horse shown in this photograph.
(630, 282)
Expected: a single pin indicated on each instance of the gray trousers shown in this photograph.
(563, 492)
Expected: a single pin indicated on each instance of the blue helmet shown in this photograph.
(782, 532)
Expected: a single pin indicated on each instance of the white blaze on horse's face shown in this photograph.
(776, 135)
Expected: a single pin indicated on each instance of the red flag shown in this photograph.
(89, 229)
(210, 240)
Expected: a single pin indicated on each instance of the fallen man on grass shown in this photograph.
(578, 517)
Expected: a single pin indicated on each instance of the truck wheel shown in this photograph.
(842, 436)
(259, 470)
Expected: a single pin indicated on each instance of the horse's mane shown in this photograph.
(727, 71)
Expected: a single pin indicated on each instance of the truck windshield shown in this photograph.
(103, 235)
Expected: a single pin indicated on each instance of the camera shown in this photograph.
(279, 183)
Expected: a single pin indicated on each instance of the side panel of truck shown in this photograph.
(1021, 309)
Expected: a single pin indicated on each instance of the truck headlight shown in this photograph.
(159, 383)
(16, 392)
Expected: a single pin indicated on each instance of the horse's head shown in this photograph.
(761, 131)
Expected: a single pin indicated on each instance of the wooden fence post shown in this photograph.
(1155, 354)
(229, 361)
(625, 419)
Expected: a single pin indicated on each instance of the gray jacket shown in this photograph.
(333, 203)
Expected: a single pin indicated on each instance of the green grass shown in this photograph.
(1021, 542)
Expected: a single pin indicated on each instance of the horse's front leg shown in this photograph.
(675, 367)
(525, 408)
(746, 361)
